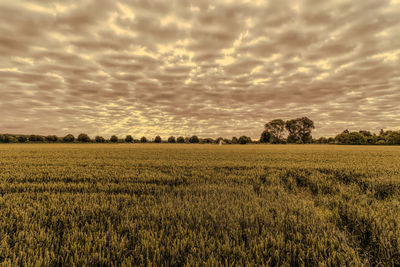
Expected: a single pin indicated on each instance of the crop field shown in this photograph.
(195, 205)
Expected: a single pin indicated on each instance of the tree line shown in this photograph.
(84, 138)
(299, 131)
(277, 131)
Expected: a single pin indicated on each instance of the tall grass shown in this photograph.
(199, 205)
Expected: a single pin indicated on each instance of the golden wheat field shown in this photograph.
(195, 205)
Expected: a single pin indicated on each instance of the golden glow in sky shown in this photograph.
(211, 68)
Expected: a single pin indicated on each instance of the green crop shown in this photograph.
(193, 205)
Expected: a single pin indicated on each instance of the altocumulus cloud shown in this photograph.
(211, 68)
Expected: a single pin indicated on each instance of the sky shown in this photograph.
(209, 68)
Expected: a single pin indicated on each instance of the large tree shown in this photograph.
(299, 130)
(275, 129)
(157, 139)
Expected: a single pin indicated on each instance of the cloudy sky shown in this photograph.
(211, 68)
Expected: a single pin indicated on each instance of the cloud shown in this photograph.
(211, 68)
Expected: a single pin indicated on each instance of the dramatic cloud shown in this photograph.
(211, 68)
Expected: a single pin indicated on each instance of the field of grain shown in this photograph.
(165, 204)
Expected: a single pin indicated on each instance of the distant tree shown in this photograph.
(180, 140)
(99, 139)
(129, 139)
(32, 138)
(114, 139)
(276, 129)
(157, 139)
(194, 139)
(365, 133)
(293, 127)
(322, 140)
(393, 138)
(342, 138)
(219, 139)
(227, 141)
(143, 140)
(244, 140)
(265, 137)
(13, 139)
(357, 138)
(370, 138)
(5, 138)
(380, 142)
(234, 140)
(207, 141)
(69, 138)
(22, 139)
(51, 138)
(171, 139)
(350, 138)
(299, 130)
(83, 138)
(10, 139)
